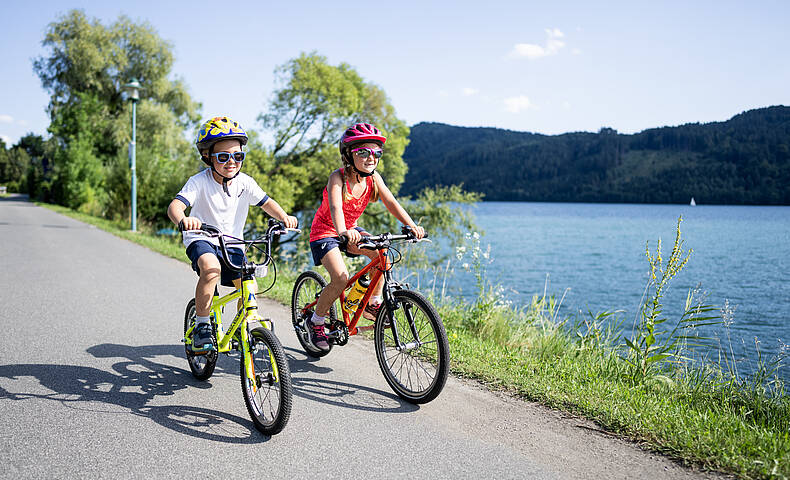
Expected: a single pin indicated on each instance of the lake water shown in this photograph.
(597, 251)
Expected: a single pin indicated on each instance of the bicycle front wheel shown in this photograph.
(415, 363)
(269, 394)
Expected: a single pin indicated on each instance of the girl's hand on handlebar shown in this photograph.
(352, 235)
(419, 232)
(189, 223)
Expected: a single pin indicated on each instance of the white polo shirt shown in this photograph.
(210, 204)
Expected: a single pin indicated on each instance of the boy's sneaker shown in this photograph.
(317, 335)
(202, 338)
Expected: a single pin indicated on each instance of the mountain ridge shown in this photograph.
(743, 160)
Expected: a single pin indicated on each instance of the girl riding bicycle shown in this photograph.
(347, 194)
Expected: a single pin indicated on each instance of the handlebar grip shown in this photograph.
(210, 229)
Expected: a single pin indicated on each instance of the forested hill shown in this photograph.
(745, 160)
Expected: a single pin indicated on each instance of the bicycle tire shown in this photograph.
(269, 401)
(306, 289)
(418, 374)
(202, 366)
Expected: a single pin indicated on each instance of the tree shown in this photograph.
(314, 104)
(87, 65)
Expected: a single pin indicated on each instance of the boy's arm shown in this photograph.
(275, 210)
(394, 207)
(176, 211)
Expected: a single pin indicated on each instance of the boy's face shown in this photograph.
(230, 167)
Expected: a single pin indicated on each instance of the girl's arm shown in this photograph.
(394, 207)
(275, 210)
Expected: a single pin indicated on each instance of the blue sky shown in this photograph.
(547, 67)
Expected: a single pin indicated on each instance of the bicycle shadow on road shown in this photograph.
(306, 384)
(133, 384)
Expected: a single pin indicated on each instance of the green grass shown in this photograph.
(695, 413)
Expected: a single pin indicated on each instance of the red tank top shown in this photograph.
(352, 209)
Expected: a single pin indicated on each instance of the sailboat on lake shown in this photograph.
(693, 203)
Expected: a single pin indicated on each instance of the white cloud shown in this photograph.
(533, 52)
(443, 93)
(6, 118)
(469, 91)
(518, 104)
(576, 51)
(6, 139)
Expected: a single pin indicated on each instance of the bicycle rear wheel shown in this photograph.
(306, 290)
(415, 367)
(270, 395)
(202, 366)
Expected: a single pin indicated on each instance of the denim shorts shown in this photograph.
(199, 247)
(322, 246)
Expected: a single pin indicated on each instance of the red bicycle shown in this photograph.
(409, 337)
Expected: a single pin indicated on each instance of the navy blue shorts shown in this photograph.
(199, 247)
(322, 246)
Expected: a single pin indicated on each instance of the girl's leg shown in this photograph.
(371, 254)
(338, 277)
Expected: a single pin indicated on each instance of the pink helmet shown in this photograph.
(360, 133)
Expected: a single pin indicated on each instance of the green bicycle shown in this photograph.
(265, 375)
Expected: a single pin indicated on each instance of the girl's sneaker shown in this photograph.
(317, 335)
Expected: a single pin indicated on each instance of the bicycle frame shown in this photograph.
(248, 312)
(380, 267)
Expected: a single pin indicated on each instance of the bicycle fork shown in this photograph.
(393, 305)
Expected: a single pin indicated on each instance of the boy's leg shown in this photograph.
(210, 270)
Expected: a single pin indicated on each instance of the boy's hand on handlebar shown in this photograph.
(352, 235)
(189, 223)
(290, 221)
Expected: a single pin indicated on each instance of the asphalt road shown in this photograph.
(94, 384)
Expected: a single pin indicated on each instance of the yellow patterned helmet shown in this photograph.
(216, 129)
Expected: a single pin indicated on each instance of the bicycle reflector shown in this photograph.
(261, 270)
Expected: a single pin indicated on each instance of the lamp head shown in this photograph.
(133, 89)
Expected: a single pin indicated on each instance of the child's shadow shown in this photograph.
(136, 381)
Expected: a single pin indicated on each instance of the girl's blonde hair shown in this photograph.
(347, 172)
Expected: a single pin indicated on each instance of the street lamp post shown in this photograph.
(133, 88)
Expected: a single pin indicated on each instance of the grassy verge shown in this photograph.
(697, 414)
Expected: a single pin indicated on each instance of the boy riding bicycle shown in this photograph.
(219, 195)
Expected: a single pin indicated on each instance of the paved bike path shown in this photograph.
(94, 384)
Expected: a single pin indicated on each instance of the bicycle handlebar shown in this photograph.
(275, 228)
(384, 240)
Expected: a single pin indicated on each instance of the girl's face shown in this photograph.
(230, 167)
(365, 156)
